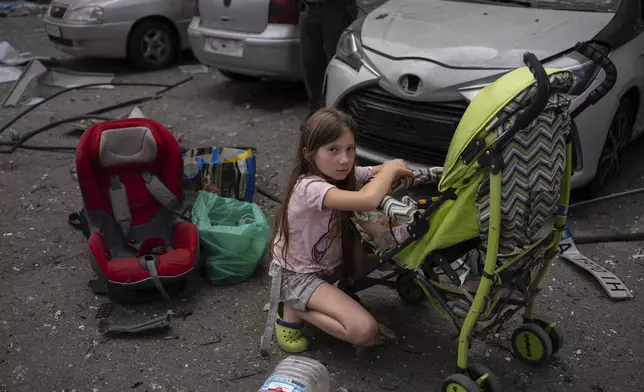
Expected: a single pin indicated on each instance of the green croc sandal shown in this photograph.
(289, 336)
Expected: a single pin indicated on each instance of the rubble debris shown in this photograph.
(9, 55)
(194, 69)
(136, 113)
(211, 342)
(157, 95)
(9, 74)
(247, 375)
(31, 101)
(12, 57)
(33, 70)
(21, 8)
(84, 125)
(613, 286)
(81, 125)
(68, 79)
(105, 326)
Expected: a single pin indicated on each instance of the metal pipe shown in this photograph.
(601, 238)
(608, 197)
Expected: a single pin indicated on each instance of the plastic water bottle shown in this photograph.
(297, 374)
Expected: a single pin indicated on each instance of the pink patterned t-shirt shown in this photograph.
(314, 238)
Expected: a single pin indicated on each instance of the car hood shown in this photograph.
(474, 35)
(80, 3)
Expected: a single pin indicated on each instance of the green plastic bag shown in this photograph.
(233, 234)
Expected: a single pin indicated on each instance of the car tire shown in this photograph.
(152, 44)
(612, 154)
(237, 77)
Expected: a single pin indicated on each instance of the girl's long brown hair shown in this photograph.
(322, 128)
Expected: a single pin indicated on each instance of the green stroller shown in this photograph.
(480, 251)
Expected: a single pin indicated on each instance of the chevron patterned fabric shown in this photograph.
(399, 210)
(534, 163)
(430, 175)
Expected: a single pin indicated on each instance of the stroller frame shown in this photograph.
(470, 375)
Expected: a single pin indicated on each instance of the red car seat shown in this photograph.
(130, 173)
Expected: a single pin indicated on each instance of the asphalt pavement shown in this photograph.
(48, 331)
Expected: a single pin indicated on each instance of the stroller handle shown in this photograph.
(536, 107)
(599, 58)
(539, 73)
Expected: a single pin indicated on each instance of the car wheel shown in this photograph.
(611, 158)
(152, 44)
(237, 77)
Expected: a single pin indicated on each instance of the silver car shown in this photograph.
(248, 38)
(408, 70)
(150, 33)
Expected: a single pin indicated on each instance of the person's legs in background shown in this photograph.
(312, 52)
(321, 25)
(336, 19)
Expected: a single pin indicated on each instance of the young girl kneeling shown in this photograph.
(313, 242)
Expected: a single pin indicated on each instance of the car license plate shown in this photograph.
(228, 47)
(54, 31)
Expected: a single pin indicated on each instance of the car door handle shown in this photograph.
(229, 18)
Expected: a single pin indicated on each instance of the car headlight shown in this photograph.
(86, 15)
(349, 49)
(583, 69)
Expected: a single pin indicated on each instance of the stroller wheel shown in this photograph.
(490, 383)
(459, 383)
(409, 290)
(554, 331)
(531, 344)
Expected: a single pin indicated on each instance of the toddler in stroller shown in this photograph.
(481, 250)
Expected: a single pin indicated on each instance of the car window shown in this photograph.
(572, 5)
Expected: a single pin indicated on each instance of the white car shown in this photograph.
(407, 71)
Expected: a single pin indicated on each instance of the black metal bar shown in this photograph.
(604, 62)
(440, 300)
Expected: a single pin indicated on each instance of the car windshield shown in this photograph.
(572, 5)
